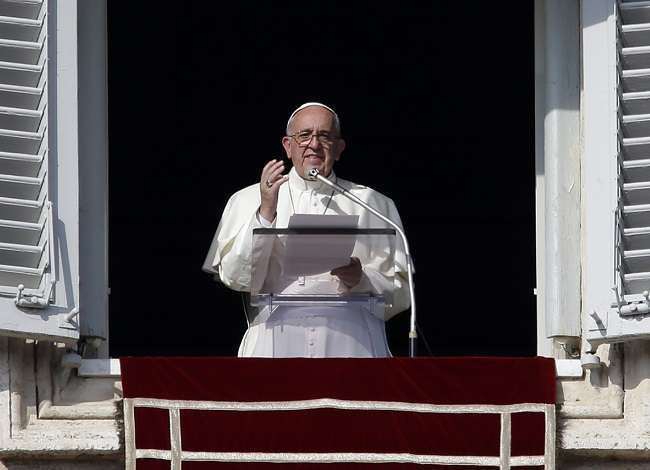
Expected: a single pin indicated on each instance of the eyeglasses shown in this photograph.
(303, 138)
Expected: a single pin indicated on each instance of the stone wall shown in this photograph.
(604, 417)
(52, 418)
(49, 412)
(76, 464)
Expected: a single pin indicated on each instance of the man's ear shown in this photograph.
(341, 144)
(286, 143)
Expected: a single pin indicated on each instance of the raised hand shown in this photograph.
(270, 182)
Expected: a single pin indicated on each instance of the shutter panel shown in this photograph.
(27, 268)
(633, 214)
(25, 215)
(627, 317)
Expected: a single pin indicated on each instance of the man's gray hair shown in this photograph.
(337, 122)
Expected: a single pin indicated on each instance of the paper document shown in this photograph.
(323, 221)
(311, 254)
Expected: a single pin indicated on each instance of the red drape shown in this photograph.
(434, 381)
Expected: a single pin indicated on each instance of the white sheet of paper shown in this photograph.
(323, 221)
(307, 255)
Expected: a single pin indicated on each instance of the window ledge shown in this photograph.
(568, 369)
(100, 368)
(565, 368)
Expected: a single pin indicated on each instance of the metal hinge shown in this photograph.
(633, 308)
(34, 301)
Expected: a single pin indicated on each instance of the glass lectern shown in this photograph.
(291, 267)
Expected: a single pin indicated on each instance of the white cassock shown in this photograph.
(290, 331)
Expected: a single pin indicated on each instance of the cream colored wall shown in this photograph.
(48, 412)
(602, 416)
(606, 414)
(70, 464)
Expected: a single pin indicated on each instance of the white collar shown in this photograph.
(300, 184)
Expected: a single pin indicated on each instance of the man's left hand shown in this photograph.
(350, 274)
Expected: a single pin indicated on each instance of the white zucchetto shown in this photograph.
(308, 104)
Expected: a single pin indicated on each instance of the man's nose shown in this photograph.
(314, 142)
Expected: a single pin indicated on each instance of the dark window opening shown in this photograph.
(436, 102)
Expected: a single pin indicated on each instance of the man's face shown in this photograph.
(316, 143)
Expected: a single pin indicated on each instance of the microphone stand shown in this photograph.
(314, 174)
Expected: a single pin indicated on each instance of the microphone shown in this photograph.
(313, 174)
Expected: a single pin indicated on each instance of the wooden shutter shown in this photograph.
(616, 211)
(633, 111)
(28, 288)
(25, 215)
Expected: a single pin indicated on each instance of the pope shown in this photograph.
(313, 140)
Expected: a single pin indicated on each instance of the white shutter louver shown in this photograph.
(25, 211)
(615, 172)
(39, 183)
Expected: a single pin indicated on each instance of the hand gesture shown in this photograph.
(350, 274)
(270, 182)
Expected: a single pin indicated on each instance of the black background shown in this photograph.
(436, 102)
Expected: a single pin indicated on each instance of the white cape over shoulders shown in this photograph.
(309, 331)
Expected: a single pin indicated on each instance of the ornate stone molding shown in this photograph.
(612, 421)
(49, 411)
